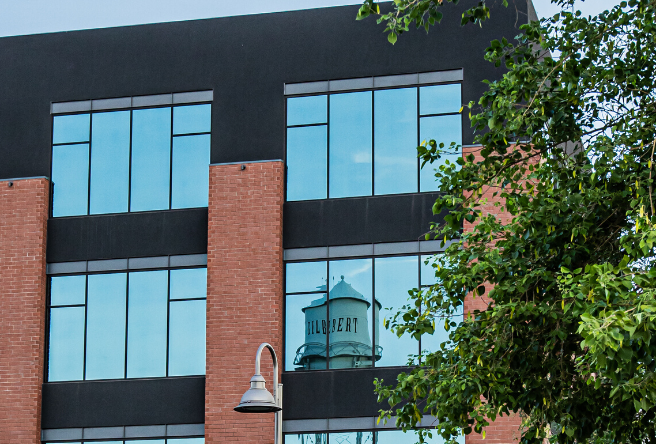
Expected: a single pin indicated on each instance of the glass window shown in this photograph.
(307, 438)
(192, 119)
(191, 171)
(155, 314)
(187, 338)
(440, 99)
(307, 156)
(395, 276)
(106, 313)
(70, 178)
(305, 330)
(151, 159)
(133, 160)
(360, 437)
(365, 143)
(189, 283)
(443, 129)
(70, 129)
(67, 290)
(66, 345)
(349, 319)
(110, 162)
(395, 141)
(147, 313)
(307, 110)
(350, 144)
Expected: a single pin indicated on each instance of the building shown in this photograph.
(172, 195)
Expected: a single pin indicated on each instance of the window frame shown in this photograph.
(49, 307)
(372, 328)
(131, 109)
(372, 89)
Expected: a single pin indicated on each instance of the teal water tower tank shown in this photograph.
(348, 329)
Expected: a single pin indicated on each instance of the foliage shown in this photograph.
(567, 153)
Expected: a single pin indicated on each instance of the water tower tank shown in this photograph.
(348, 329)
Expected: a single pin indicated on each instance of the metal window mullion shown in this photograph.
(130, 165)
(170, 171)
(203, 133)
(127, 309)
(168, 316)
(90, 151)
(417, 138)
(86, 309)
(373, 144)
(373, 312)
(327, 155)
(420, 305)
(327, 315)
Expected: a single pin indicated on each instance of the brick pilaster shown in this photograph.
(505, 430)
(244, 294)
(23, 219)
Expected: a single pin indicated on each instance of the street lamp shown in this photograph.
(257, 399)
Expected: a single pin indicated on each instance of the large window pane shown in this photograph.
(307, 161)
(307, 110)
(192, 119)
(305, 332)
(151, 159)
(106, 326)
(70, 178)
(66, 346)
(191, 171)
(350, 144)
(147, 306)
(70, 129)
(110, 162)
(350, 313)
(427, 270)
(189, 283)
(433, 342)
(307, 438)
(304, 277)
(146, 441)
(364, 437)
(439, 99)
(443, 129)
(395, 276)
(67, 290)
(187, 338)
(395, 141)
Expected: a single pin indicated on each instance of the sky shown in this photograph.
(21, 17)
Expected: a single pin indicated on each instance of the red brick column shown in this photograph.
(23, 219)
(244, 294)
(505, 430)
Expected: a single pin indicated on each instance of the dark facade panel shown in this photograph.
(124, 402)
(359, 220)
(334, 394)
(245, 60)
(157, 233)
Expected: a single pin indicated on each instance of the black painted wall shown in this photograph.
(245, 60)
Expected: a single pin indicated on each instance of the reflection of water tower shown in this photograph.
(348, 330)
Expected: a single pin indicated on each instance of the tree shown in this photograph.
(567, 152)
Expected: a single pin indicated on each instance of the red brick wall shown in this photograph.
(23, 219)
(504, 430)
(244, 294)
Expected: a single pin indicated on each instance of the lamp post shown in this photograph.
(257, 399)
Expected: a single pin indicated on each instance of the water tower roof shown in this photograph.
(341, 290)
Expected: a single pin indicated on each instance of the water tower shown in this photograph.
(348, 329)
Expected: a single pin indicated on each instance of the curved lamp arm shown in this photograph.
(258, 357)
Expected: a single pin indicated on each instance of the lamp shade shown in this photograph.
(257, 399)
